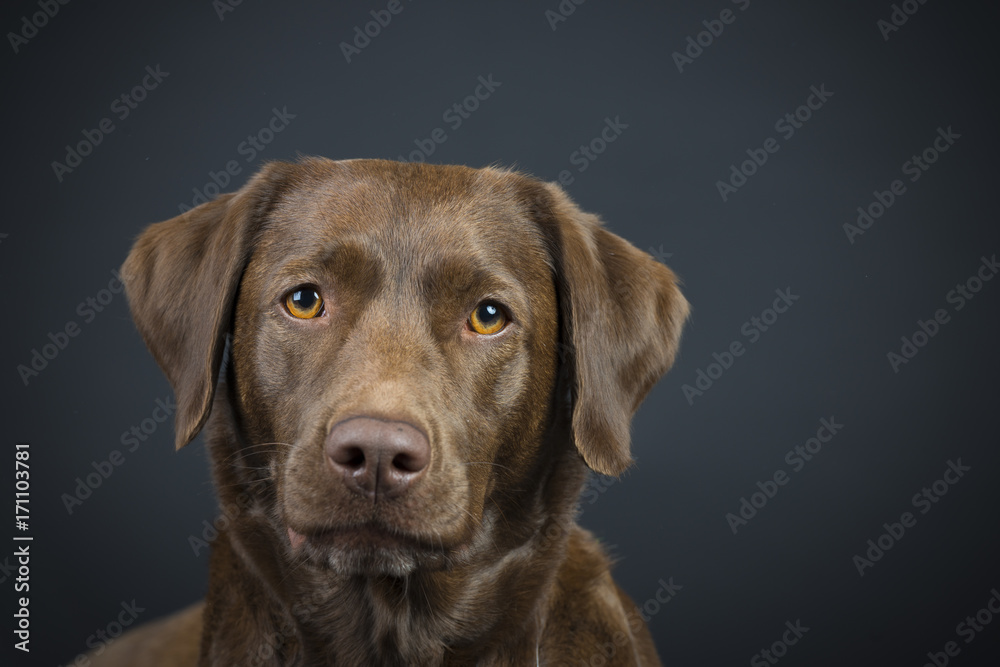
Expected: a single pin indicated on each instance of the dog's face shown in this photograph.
(415, 373)
(401, 338)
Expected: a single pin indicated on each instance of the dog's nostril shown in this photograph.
(406, 463)
(350, 457)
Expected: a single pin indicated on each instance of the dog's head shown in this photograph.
(406, 340)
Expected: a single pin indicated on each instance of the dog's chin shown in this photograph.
(366, 551)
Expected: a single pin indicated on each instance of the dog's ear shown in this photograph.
(181, 279)
(622, 315)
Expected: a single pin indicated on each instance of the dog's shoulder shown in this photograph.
(590, 615)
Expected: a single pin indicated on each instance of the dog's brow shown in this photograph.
(467, 277)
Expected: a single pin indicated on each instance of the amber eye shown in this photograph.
(304, 303)
(487, 318)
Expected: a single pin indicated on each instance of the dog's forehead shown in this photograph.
(420, 213)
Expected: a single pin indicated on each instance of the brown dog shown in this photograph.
(424, 360)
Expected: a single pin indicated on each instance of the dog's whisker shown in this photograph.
(252, 449)
(248, 467)
(486, 463)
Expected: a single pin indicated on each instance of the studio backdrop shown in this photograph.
(817, 476)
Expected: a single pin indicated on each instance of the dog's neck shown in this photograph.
(283, 612)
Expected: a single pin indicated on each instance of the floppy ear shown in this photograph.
(622, 315)
(181, 279)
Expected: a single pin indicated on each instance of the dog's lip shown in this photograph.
(295, 538)
(364, 536)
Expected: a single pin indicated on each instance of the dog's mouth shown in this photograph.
(369, 548)
(354, 538)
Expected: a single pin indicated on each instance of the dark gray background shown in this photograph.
(656, 186)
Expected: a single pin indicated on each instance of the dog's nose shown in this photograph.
(377, 457)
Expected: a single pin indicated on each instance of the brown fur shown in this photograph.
(478, 561)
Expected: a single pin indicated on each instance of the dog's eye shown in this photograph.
(304, 303)
(487, 318)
